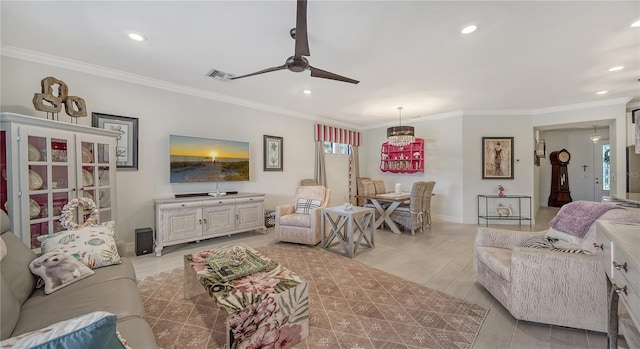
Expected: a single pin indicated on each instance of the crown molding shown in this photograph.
(633, 106)
(418, 118)
(92, 69)
(500, 112)
(439, 116)
(578, 106)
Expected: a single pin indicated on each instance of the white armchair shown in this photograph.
(546, 285)
(558, 288)
(301, 227)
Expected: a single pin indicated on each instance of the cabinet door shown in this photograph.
(219, 219)
(46, 160)
(182, 223)
(250, 215)
(96, 173)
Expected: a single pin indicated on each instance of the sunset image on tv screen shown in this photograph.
(195, 159)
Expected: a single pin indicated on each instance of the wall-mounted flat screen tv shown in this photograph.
(195, 159)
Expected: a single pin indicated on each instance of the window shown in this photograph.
(336, 148)
(606, 180)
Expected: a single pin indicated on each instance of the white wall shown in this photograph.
(582, 149)
(475, 127)
(452, 145)
(443, 164)
(454, 160)
(161, 113)
(615, 115)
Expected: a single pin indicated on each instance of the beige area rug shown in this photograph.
(352, 306)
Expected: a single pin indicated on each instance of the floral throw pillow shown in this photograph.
(93, 247)
(58, 270)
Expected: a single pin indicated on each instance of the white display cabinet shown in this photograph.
(45, 164)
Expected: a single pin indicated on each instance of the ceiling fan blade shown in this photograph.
(302, 41)
(319, 73)
(268, 70)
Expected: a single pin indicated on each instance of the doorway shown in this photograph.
(602, 170)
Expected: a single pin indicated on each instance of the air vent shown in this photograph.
(219, 75)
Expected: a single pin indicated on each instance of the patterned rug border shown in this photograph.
(343, 313)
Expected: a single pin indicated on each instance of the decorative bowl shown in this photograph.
(503, 211)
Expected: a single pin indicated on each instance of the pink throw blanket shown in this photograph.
(576, 217)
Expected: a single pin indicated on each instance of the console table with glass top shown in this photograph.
(507, 212)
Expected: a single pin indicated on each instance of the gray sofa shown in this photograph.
(25, 308)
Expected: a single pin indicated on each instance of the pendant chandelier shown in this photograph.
(596, 137)
(400, 135)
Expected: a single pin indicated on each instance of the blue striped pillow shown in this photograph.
(304, 206)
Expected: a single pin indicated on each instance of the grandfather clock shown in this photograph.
(560, 193)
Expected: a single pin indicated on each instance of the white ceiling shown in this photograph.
(525, 54)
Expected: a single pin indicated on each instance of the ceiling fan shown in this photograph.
(296, 63)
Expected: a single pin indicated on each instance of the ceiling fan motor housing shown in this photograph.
(297, 65)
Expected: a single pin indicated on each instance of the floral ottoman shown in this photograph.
(271, 305)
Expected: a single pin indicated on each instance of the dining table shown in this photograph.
(385, 204)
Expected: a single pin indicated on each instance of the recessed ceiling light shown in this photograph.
(136, 37)
(602, 92)
(306, 92)
(616, 68)
(636, 24)
(469, 29)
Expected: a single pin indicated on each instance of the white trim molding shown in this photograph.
(88, 68)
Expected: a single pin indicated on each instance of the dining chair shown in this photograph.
(417, 213)
(365, 187)
(428, 194)
(379, 186)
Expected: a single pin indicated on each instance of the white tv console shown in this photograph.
(186, 219)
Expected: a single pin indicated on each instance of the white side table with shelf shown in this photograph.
(517, 216)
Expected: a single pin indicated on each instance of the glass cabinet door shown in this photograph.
(95, 176)
(49, 177)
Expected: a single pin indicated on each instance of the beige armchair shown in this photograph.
(542, 285)
(557, 288)
(300, 227)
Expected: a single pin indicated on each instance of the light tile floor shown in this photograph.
(441, 258)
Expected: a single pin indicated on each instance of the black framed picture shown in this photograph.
(127, 142)
(497, 157)
(272, 159)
